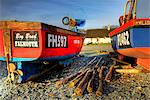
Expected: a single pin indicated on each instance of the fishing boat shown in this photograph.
(132, 38)
(24, 42)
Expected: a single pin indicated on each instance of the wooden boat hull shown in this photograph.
(29, 44)
(46, 43)
(133, 39)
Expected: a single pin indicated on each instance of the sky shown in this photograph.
(97, 13)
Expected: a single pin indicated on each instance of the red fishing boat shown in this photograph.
(23, 42)
(132, 38)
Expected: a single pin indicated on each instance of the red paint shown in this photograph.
(26, 52)
(136, 52)
(43, 52)
(75, 41)
(72, 47)
(144, 62)
(1, 44)
(142, 54)
(131, 23)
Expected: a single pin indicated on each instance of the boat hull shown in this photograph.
(34, 47)
(43, 43)
(133, 40)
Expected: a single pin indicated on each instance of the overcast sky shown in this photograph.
(97, 13)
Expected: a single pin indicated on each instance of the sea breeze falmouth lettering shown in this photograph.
(27, 39)
(56, 41)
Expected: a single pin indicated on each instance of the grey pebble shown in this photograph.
(120, 89)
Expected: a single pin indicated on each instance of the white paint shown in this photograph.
(123, 38)
(76, 41)
(97, 40)
(57, 40)
(29, 44)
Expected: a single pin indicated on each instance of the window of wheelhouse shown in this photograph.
(142, 9)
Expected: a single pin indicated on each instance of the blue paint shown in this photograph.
(114, 42)
(18, 59)
(32, 66)
(2, 58)
(19, 65)
(66, 62)
(56, 58)
(139, 37)
(22, 59)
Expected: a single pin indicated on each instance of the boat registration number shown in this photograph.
(56, 41)
(124, 39)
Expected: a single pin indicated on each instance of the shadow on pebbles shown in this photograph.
(129, 87)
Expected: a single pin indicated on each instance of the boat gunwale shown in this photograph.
(128, 25)
(26, 25)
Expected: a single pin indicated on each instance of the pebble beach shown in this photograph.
(122, 87)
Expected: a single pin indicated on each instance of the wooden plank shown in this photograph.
(99, 91)
(19, 25)
(109, 74)
(7, 47)
(7, 41)
(120, 61)
(129, 71)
